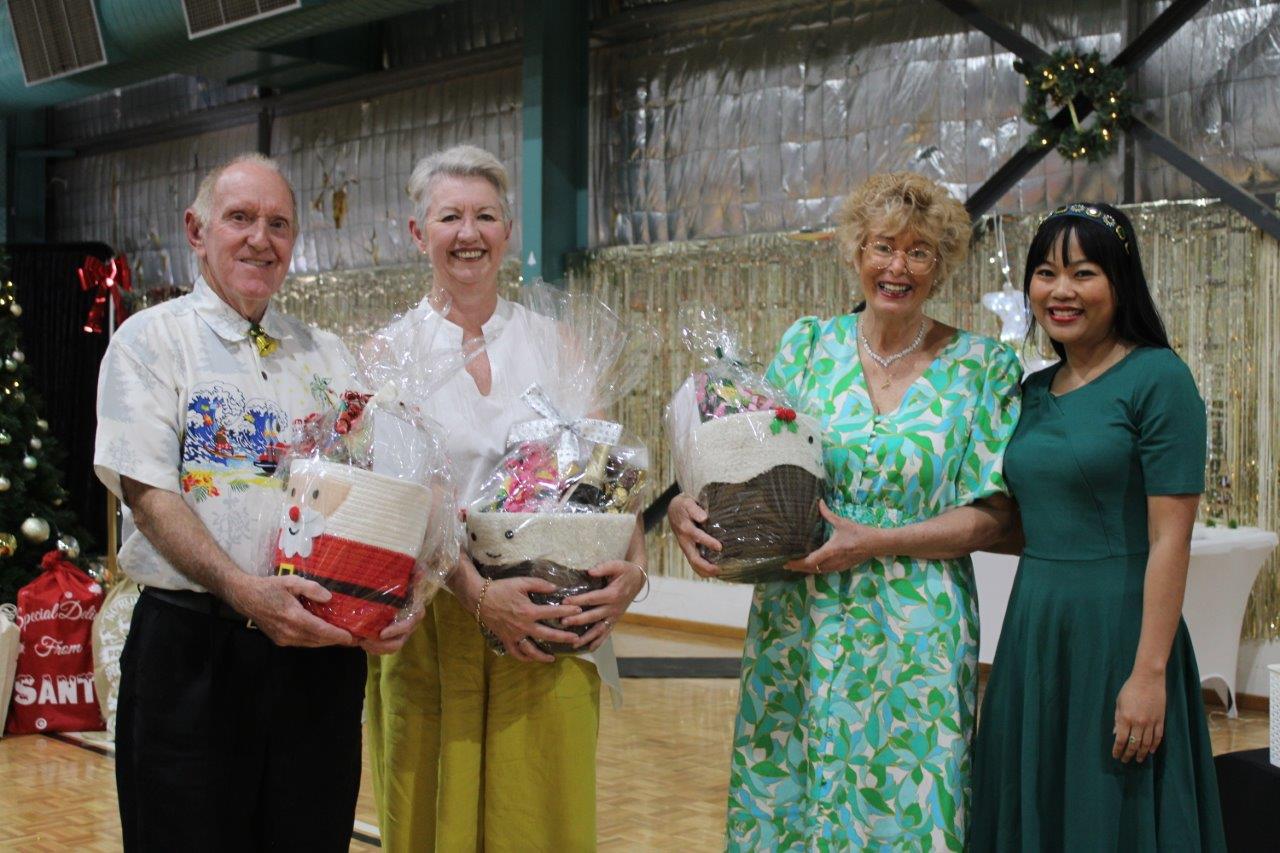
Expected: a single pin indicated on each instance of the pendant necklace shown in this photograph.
(886, 361)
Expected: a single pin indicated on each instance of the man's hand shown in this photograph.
(273, 606)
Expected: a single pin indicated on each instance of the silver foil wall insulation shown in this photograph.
(704, 124)
(763, 123)
(143, 105)
(350, 164)
(134, 200)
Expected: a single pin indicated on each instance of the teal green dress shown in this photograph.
(859, 688)
(1081, 466)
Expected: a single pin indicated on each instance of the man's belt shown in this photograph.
(198, 602)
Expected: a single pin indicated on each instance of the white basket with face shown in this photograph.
(578, 540)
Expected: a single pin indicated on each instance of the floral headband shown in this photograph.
(1088, 211)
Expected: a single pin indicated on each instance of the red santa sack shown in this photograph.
(53, 689)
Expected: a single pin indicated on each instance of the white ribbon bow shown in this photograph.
(552, 422)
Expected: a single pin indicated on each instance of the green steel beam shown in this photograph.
(553, 196)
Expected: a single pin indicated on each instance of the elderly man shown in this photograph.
(239, 713)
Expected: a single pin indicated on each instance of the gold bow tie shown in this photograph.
(264, 342)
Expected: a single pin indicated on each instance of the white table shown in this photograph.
(1224, 566)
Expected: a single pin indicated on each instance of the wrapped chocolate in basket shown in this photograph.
(746, 453)
(566, 495)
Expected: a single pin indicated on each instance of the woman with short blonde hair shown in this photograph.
(470, 750)
(859, 677)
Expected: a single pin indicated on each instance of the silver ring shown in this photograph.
(522, 640)
(1132, 739)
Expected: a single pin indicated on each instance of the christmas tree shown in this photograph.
(33, 518)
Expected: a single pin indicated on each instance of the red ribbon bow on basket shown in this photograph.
(107, 280)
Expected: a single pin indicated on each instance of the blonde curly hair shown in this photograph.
(892, 202)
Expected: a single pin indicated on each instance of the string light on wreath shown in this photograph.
(1064, 78)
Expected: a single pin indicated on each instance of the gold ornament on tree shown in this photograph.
(8, 544)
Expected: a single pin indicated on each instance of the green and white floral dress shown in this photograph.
(859, 688)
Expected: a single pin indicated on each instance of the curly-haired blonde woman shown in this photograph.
(859, 677)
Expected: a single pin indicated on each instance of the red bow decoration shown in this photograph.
(107, 280)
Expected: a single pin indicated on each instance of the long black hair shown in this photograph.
(1136, 319)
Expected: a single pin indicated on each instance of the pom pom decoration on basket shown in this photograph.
(566, 495)
(747, 456)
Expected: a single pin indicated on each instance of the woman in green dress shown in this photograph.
(1093, 733)
(859, 677)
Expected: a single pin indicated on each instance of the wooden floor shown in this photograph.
(663, 765)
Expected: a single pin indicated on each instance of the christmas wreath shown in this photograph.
(1065, 77)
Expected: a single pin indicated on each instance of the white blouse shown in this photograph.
(476, 425)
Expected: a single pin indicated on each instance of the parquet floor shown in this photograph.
(663, 766)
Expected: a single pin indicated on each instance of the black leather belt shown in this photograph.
(198, 602)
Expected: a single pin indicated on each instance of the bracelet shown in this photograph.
(647, 588)
(479, 601)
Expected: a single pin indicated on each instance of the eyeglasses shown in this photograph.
(919, 260)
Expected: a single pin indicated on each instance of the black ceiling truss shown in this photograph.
(1130, 59)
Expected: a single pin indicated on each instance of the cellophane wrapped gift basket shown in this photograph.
(742, 448)
(566, 495)
(369, 509)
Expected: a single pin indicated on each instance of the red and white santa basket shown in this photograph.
(358, 534)
(368, 512)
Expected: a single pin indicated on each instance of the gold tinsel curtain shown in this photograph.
(1216, 279)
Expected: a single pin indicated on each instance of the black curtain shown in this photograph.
(64, 363)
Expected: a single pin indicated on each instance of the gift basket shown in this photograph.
(369, 505)
(565, 497)
(743, 450)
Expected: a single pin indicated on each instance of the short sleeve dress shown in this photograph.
(858, 688)
(1081, 466)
